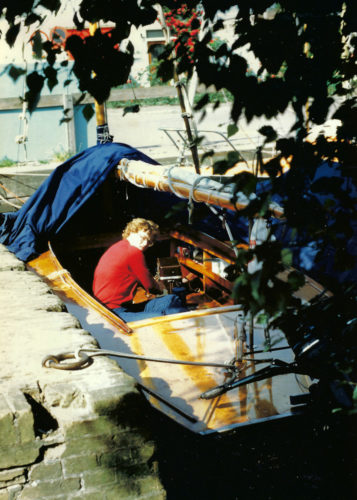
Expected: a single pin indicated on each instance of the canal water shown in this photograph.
(294, 460)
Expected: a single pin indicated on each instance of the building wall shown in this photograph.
(47, 137)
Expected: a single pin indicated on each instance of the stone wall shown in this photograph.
(64, 434)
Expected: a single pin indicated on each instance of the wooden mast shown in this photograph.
(184, 112)
(100, 110)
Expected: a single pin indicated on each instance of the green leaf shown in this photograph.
(130, 48)
(34, 83)
(32, 18)
(232, 129)
(37, 45)
(65, 120)
(178, 207)
(166, 70)
(255, 285)
(12, 33)
(88, 111)
(51, 75)
(245, 182)
(207, 154)
(221, 166)
(268, 132)
(286, 257)
(296, 280)
(272, 167)
(15, 72)
(131, 109)
(355, 393)
(202, 102)
(262, 319)
(52, 5)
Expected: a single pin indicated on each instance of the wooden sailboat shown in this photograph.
(199, 367)
(178, 359)
(175, 359)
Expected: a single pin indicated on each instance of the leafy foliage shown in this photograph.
(96, 63)
(306, 53)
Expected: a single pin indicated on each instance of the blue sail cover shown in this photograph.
(27, 231)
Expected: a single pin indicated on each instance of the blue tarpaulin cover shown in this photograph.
(27, 231)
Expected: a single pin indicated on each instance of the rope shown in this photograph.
(82, 359)
(103, 135)
(191, 198)
(169, 180)
(223, 219)
(12, 194)
(157, 184)
(193, 187)
(9, 202)
(125, 176)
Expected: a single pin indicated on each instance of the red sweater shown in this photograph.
(119, 271)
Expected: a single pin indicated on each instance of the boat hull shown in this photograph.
(203, 336)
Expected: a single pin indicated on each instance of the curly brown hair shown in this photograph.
(138, 224)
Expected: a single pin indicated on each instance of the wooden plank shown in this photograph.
(47, 101)
(207, 264)
(196, 266)
(215, 247)
(309, 290)
(68, 106)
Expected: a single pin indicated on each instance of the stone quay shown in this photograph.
(64, 434)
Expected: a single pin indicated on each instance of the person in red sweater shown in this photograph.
(122, 268)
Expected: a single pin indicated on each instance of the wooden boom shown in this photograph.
(186, 184)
